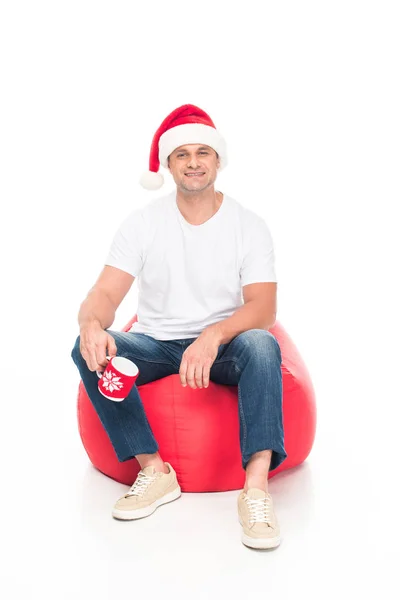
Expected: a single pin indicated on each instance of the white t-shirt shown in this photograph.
(190, 276)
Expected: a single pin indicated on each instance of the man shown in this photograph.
(195, 253)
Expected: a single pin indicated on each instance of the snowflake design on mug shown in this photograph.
(111, 382)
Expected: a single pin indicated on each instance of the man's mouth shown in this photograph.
(194, 174)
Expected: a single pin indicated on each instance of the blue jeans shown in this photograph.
(251, 360)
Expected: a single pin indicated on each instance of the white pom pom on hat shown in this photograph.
(187, 124)
(151, 180)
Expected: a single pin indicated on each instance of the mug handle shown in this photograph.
(100, 373)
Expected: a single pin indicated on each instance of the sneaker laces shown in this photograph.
(141, 484)
(260, 510)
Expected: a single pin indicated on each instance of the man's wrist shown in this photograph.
(88, 323)
(213, 331)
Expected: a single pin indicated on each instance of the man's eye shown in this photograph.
(202, 152)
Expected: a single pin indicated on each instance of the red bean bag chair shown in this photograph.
(198, 430)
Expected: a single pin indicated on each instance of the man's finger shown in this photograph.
(206, 375)
(190, 375)
(182, 372)
(199, 375)
(112, 347)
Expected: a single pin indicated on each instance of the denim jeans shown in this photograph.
(251, 360)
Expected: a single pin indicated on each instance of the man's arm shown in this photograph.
(104, 298)
(257, 312)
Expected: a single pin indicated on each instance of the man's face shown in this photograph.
(194, 167)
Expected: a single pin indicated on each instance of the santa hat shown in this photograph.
(187, 124)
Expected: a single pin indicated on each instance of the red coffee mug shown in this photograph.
(117, 379)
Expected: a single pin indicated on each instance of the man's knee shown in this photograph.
(252, 336)
(258, 340)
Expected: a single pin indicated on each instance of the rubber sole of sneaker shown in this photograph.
(129, 515)
(260, 543)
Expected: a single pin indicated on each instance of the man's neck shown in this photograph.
(198, 208)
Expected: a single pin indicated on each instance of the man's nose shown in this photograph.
(193, 162)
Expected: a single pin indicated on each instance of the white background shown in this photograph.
(307, 96)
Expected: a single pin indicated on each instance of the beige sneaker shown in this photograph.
(150, 490)
(258, 520)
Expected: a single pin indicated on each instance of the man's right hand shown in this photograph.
(94, 343)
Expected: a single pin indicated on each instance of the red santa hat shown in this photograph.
(187, 124)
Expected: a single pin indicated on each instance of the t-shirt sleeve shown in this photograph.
(126, 250)
(258, 263)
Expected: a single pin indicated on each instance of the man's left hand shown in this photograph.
(198, 359)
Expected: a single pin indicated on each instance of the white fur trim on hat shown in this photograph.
(191, 133)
